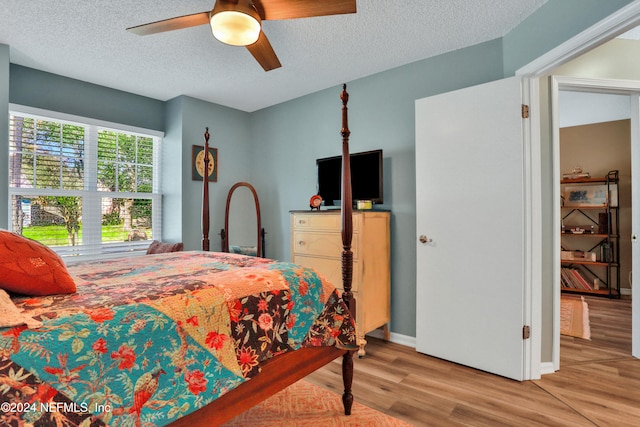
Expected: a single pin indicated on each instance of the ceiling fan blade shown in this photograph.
(264, 53)
(171, 24)
(291, 9)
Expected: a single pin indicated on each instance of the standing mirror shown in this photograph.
(243, 232)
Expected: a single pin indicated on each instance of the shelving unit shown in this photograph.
(590, 236)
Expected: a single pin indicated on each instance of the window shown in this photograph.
(88, 189)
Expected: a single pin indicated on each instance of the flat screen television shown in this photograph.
(366, 178)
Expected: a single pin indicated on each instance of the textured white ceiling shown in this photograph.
(86, 40)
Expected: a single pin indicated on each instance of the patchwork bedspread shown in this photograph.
(149, 339)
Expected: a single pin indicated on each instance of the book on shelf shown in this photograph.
(572, 278)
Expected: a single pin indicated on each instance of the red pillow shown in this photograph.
(30, 268)
(157, 247)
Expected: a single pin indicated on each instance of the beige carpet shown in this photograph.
(306, 405)
(574, 317)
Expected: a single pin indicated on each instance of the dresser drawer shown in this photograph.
(319, 221)
(330, 269)
(328, 244)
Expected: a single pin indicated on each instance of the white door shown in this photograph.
(470, 210)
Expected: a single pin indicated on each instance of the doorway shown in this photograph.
(595, 136)
(622, 92)
(548, 223)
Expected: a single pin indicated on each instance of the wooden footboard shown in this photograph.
(276, 374)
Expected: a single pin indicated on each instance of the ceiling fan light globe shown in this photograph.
(235, 28)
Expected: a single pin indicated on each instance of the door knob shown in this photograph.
(424, 239)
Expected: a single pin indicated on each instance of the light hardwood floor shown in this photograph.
(598, 383)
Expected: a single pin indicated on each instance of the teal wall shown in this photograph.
(275, 148)
(229, 131)
(291, 136)
(39, 89)
(4, 135)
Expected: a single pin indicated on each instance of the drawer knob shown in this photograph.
(302, 221)
(301, 243)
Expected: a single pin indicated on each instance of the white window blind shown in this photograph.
(87, 189)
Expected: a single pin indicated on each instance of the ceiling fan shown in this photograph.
(238, 22)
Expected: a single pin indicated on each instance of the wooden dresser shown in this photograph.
(316, 242)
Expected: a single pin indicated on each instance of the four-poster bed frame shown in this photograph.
(285, 369)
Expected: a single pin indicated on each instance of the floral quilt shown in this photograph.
(149, 339)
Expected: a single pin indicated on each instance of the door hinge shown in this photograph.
(526, 332)
(525, 111)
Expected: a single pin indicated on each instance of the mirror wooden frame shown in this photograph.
(224, 233)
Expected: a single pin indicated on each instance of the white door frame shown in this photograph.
(533, 230)
(615, 24)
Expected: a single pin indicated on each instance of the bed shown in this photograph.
(182, 338)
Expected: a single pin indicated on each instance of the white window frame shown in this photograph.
(92, 247)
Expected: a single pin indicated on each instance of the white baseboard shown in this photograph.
(625, 291)
(395, 338)
(547, 368)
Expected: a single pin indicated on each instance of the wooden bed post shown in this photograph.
(279, 372)
(347, 254)
(205, 194)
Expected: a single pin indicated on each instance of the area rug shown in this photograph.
(574, 317)
(307, 405)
